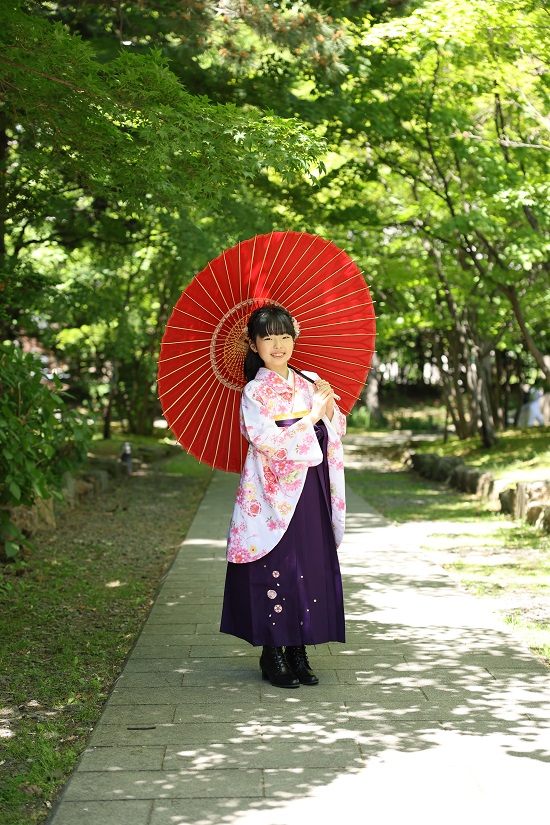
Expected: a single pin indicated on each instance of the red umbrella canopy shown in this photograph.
(200, 371)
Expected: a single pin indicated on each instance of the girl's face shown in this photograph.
(275, 351)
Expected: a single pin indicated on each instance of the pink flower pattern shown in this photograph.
(276, 465)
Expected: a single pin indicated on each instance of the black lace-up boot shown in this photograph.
(275, 668)
(299, 665)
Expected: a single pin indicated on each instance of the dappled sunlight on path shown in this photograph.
(431, 709)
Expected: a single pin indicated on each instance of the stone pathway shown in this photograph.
(432, 711)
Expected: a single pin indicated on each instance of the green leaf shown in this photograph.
(11, 549)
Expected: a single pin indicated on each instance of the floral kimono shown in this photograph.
(276, 464)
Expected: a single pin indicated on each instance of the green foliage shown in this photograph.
(142, 140)
(402, 497)
(128, 128)
(75, 607)
(40, 438)
(518, 452)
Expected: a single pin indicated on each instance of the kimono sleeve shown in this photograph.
(338, 422)
(296, 445)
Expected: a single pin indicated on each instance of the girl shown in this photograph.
(283, 588)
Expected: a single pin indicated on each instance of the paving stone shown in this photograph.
(122, 758)
(353, 694)
(181, 640)
(418, 676)
(291, 750)
(186, 695)
(241, 677)
(295, 783)
(137, 714)
(230, 650)
(372, 662)
(211, 811)
(176, 734)
(163, 784)
(189, 629)
(139, 664)
(131, 812)
(183, 614)
(210, 627)
(412, 712)
(161, 652)
(398, 712)
(169, 678)
(294, 710)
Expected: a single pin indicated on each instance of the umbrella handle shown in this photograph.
(311, 380)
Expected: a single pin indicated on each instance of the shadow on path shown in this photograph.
(431, 709)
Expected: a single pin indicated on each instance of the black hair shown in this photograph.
(267, 320)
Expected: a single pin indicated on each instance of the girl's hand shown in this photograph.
(321, 399)
(324, 385)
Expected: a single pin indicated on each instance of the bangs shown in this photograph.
(274, 321)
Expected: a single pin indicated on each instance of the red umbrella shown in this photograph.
(200, 375)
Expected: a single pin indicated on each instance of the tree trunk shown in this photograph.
(371, 394)
(543, 361)
(485, 423)
(107, 420)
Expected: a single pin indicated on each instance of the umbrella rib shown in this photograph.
(197, 280)
(330, 276)
(188, 387)
(240, 279)
(288, 274)
(314, 274)
(186, 329)
(190, 297)
(249, 283)
(335, 299)
(339, 374)
(335, 323)
(186, 341)
(204, 414)
(339, 284)
(219, 290)
(334, 346)
(342, 335)
(339, 360)
(213, 381)
(266, 252)
(228, 279)
(182, 366)
(227, 398)
(276, 255)
(187, 352)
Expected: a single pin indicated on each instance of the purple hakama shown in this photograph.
(293, 595)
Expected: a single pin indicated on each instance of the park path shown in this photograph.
(431, 711)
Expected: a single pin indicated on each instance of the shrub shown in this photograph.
(40, 438)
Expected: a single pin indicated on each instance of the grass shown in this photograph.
(403, 496)
(420, 415)
(516, 452)
(71, 611)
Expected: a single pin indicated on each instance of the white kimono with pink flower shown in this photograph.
(277, 462)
